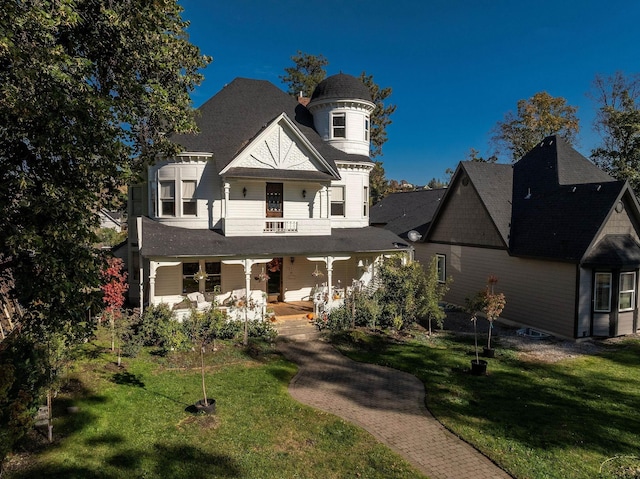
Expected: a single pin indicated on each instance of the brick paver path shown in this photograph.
(387, 403)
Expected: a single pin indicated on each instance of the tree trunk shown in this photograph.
(489, 338)
(204, 390)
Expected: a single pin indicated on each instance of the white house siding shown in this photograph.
(539, 294)
(178, 170)
(354, 178)
(355, 115)
(465, 220)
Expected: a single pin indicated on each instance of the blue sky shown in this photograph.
(455, 67)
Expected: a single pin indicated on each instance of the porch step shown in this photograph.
(296, 329)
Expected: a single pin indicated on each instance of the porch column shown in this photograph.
(153, 267)
(247, 263)
(328, 261)
(227, 189)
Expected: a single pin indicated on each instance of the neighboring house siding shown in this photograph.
(464, 220)
(625, 322)
(620, 223)
(540, 294)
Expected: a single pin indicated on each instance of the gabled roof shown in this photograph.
(238, 113)
(614, 251)
(405, 211)
(493, 182)
(560, 201)
(163, 240)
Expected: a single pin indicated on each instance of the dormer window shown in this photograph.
(168, 198)
(338, 123)
(366, 129)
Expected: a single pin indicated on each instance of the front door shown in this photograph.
(274, 284)
(274, 200)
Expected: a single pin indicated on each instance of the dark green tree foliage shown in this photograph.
(304, 76)
(474, 155)
(381, 116)
(378, 183)
(536, 118)
(89, 92)
(618, 122)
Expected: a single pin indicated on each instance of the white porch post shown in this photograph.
(153, 267)
(227, 189)
(247, 263)
(330, 276)
(328, 202)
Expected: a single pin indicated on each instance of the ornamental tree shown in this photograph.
(114, 289)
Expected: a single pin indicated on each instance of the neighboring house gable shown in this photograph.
(463, 217)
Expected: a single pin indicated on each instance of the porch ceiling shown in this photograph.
(163, 240)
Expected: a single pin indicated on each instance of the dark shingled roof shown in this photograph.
(560, 201)
(163, 240)
(406, 211)
(341, 86)
(615, 251)
(494, 183)
(240, 111)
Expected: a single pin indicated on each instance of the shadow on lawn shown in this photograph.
(167, 460)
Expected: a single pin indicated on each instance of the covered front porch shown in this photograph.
(248, 276)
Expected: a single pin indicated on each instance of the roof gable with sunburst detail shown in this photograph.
(281, 146)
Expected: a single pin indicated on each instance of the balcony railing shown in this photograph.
(281, 226)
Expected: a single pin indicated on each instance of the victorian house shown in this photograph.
(269, 202)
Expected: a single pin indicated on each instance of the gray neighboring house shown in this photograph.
(561, 235)
(406, 211)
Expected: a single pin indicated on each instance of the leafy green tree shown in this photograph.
(435, 184)
(381, 115)
(304, 76)
(474, 155)
(536, 118)
(618, 123)
(378, 183)
(434, 292)
(89, 94)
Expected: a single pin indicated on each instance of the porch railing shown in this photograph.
(281, 226)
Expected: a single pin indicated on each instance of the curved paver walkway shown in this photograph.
(389, 404)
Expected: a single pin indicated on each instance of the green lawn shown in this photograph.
(535, 419)
(132, 422)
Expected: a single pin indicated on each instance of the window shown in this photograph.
(214, 276)
(337, 201)
(189, 205)
(602, 293)
(627, 292)
(189, 283)
(338, 125)
(441, 262)
(167, 198)
(366, 129)
(365, 204)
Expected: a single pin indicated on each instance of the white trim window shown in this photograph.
(338, 125)
(189, 204)
(441, 264)
(366, 129)
(167, 198)
(337, 201)
(602, 293)
(627, 295)
(189, 283)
